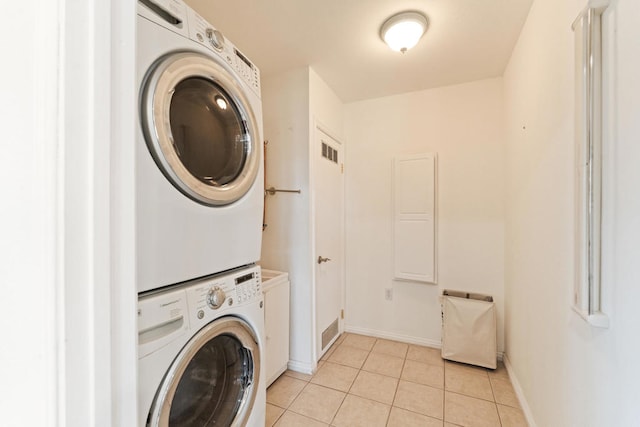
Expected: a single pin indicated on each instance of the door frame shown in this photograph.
(319, 126)
(95, 305)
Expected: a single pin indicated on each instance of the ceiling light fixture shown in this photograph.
(403, 30)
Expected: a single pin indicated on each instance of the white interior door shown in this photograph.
(329, 233)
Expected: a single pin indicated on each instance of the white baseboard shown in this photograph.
(402, 338)
(302, 367)
(392, 336)
(518, 390)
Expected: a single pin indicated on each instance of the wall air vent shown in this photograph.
(329, 153)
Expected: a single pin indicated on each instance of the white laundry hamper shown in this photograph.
(469, 329)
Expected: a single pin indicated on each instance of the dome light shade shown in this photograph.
(403, 31)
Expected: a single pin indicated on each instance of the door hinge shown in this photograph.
(342, 314)
(341, 167)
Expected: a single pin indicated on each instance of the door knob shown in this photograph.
(321, 259)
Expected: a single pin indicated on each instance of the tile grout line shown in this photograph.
(495, 402)
(444, 391)
(279, 416)
(477, 398)
(395, 393)
(361, 370)
(393, 352)
(501, 403)
(338, 410)
(345, 394)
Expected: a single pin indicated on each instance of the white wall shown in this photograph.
(293, 102)
(29, 216)
(571, 374)
(463, 125)
(286, 244)
(326, 108)
(69, 336)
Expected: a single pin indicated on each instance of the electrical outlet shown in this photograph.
(388, 294)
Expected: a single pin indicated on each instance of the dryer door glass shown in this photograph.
(209, 135)
(199, 125)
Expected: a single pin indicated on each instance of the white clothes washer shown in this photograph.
(199, 182)
(200, 353)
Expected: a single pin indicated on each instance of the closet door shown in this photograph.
(414, 205)
(329, 238)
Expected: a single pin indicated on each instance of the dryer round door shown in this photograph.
(214, 379)
(200, 128)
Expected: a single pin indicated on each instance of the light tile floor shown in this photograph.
(369, 382)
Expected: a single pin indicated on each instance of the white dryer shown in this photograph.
(199, 183)
(200, 353)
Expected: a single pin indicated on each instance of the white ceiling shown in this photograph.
(467, 40)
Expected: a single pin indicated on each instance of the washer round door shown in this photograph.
(213, 381)
(200, 128)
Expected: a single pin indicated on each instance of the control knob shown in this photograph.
(215, 297)
(216, 39)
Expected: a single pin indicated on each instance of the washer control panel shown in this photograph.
(210, 295)
(248, 286)
(213, 296)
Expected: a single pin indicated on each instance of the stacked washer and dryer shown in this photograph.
(199, 195)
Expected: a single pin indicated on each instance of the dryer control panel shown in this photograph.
(201, 31)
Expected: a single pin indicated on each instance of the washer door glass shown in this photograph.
(200, 128)
(213, 385)
(213, 381)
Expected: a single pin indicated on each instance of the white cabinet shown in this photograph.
(414, 201)
(275, 285)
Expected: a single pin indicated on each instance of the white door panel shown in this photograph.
(329, 254)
